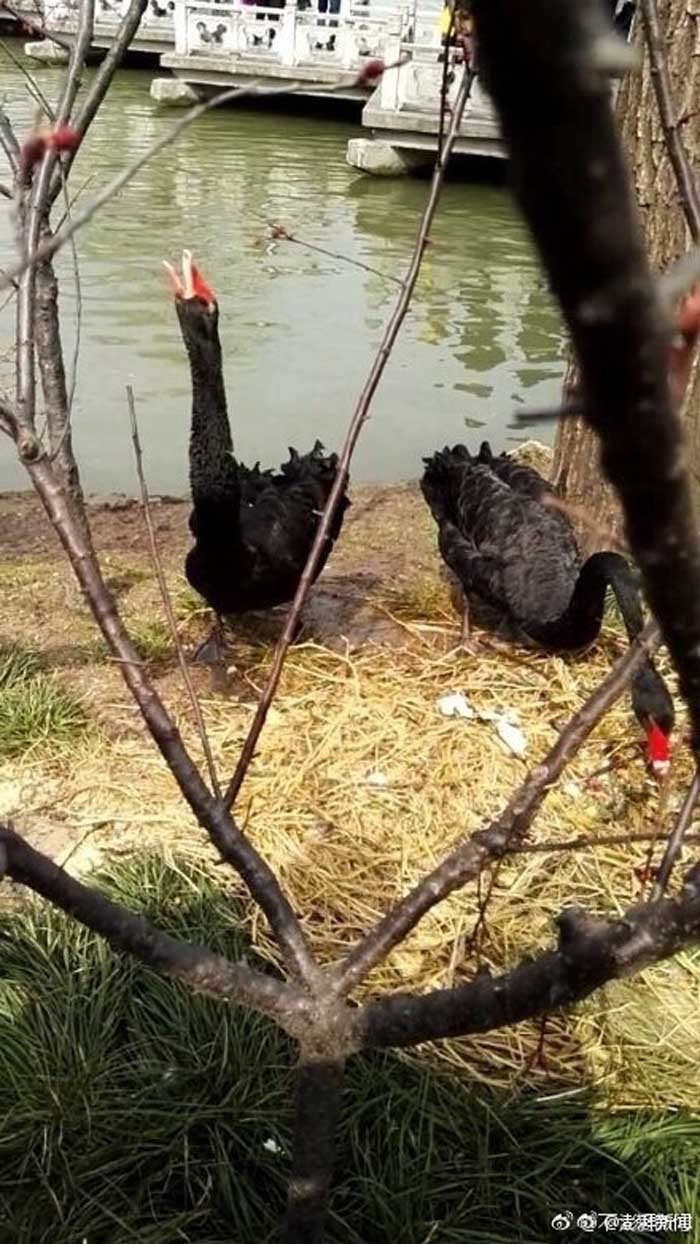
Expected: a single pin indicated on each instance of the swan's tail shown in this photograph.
(316, 465)
(443, 477)
(312, 476)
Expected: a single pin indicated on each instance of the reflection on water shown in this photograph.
(299, 329)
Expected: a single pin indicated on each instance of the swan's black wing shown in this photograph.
(519, 476)
(279, 526)
(504, 546)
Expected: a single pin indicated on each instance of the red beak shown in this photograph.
(191, 284)
(658, 750)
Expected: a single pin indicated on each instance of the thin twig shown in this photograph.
(212, 816)
(676, 839)
(32, 85)
(663, 89)
(591, 951)
(444, 83)
(356, 424)
(567, 410)
(8, 419)
(475, 853)
(165, 595)
(8, 140)
(112, 188)
(36, 27)
(78, 315)
(279, 233)
(101, 83)
(587, 842)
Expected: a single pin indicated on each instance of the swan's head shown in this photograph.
(653, 708)
(195, 301)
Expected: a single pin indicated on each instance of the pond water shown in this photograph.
(299, 329)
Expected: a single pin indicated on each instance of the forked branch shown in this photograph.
(591, 952)
(196, 966)
(507, 831)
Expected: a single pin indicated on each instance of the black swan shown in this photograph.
(507, 546)
(253, 529)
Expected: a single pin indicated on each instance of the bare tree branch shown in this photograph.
(548, 80)
(279, 233)
(102, 81)
(591, 952)
(319, 1084)
(49, 348)
(587, 841)
(37, 27)
(361, 412)
(8, 418)
(470, 858)
(198, 967)
(663, 89)
(49, 247)
(9, 141)
(76, 64)
(165, 595)
(676, 839)
(224, 833)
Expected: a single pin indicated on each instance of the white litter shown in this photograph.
(505, 722)
(456, 705)
(511, 735)
(377, 779)
(271, 1145)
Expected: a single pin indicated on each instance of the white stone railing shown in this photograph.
(298, 34)
(56, 14)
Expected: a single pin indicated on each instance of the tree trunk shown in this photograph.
(576, 469)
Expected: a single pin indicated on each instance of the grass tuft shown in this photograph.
(152, 641)
(133, 1110)
(35, 710)
(18, 663)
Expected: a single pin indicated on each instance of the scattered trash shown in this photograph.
(505, 722)
(456, 705)
(572, 789)
(377, 779)
(272, 1146)
(510, 734)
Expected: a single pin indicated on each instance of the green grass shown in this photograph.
(188, 604)
(152, 641)
(135, 1112)
(35, 710)
(420, 600)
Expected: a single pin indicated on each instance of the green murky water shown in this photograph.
(299, 329)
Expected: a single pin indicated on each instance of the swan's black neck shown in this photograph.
(580, 624)
(213, 474)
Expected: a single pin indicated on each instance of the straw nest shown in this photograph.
(361, 785)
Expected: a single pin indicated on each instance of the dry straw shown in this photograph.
(360, 785)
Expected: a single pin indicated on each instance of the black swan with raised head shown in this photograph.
(509, 547)
(253, 529)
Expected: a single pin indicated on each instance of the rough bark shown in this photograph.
(47, 333)
(576, 468)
